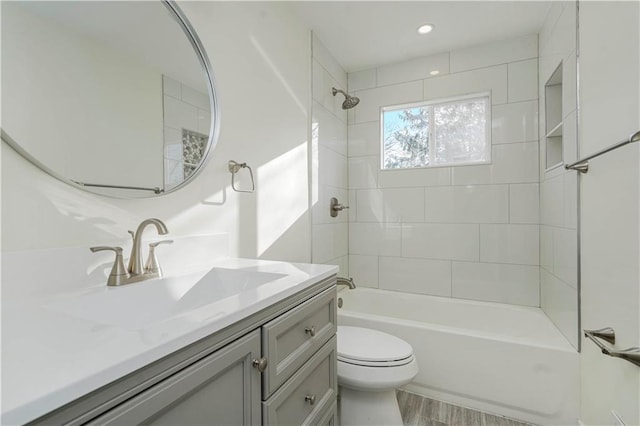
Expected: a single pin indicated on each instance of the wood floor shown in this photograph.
(417, 410)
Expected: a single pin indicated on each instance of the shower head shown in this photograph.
(349, 101)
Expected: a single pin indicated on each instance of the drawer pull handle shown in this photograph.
(260, 364)
(311, 399)
(311, 331)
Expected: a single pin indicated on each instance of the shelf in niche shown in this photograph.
(553, 119)
(555, 132)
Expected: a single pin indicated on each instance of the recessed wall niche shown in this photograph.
(553, 119)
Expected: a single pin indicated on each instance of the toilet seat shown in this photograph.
(372, 348)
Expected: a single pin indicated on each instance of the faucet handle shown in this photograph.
(152, 266)
(118, 272)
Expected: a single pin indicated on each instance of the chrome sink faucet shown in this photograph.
(135, 260)
(135, 272)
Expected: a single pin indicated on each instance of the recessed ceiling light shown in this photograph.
(434, 72)
(425, 29)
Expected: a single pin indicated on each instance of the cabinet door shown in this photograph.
(221, 389)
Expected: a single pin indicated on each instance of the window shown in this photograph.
(447, 132)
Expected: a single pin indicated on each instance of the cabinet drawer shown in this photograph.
(330, 417)
(289, 340)
(306, 397)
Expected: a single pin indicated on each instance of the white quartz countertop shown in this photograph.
(59, 346)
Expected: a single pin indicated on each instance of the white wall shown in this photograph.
(260, 57)
(328, 160)
(609, 65)
(559, 187)
(469, 231)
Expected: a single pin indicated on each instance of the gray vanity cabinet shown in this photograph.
(221, 389)
(224, 379)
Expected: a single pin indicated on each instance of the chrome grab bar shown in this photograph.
(630, 354)
(583, 165)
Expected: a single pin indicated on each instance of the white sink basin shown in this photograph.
(136, 306)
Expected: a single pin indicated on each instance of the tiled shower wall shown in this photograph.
(469, 231)
(328, 160)
(559, 187)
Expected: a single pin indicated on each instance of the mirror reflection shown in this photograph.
(96, 98)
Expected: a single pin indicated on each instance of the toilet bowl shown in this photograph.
(371, 365)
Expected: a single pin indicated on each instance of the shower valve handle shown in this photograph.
(336, 207)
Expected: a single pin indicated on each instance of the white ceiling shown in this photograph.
(365, 34)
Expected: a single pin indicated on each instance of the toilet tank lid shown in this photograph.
(365, 344)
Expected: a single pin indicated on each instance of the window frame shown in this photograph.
(434, 102)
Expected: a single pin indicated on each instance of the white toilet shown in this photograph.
(371, 365)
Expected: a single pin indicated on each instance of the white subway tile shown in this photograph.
(170, 87)
(523, 80)
(546, 247)
(364, 139)
(372, 100)
(493, 282)
(467, 204)
(420, 276)
(364, 270)
(565, 255)
(174, 152)
(363, 172)
(353, 206)
(331, 132)
(510, 163)
(173, 137)
(204, 121)
(360, 80)
(560, 303)
(374, 239)
(569, 84)
(513, 123)
(195, 98)
(391, 205)
(180, 115)
(516, 244)
(549, 24)
(571, 199)
(501, 52)
(328, 62)
(332, 168)
(441, 241)
(562, 39)
(329, 241)
(493, 79)
(414, 69)
(524, 203)
(569, 139)
(342, 263)
(317, 82)
(414, 177)
(552, 201)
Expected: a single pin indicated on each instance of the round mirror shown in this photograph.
(116, 98)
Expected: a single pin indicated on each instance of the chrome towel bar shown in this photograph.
(235, 167)
(582, 165)
(631, 354)
(156, 189)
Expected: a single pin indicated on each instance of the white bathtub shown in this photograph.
(502, 359)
